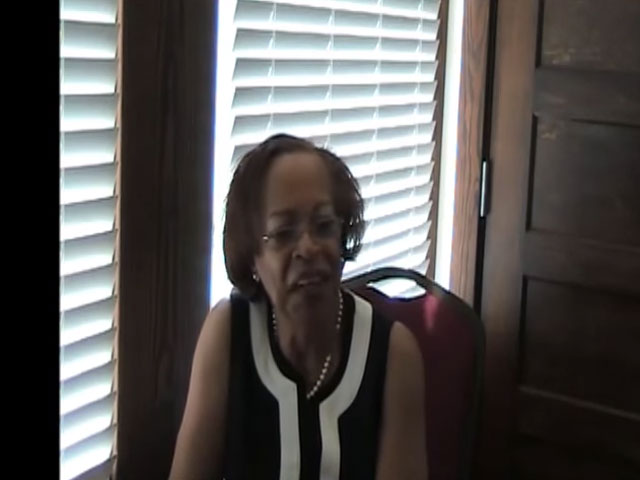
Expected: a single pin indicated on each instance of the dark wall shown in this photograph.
(167, 145)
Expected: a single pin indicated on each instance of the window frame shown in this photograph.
(474, 115)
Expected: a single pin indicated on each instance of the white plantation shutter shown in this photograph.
(355, 76)
(88, 235)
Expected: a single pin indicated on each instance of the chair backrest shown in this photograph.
(451, 338)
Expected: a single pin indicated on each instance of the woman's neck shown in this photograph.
(307, 336)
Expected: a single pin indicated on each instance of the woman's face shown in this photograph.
(299, 263)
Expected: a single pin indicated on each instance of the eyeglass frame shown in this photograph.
(269, 237)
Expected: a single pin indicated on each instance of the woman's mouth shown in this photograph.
(304, 282)
(310, 280)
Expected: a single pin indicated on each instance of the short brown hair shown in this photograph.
(241, 233)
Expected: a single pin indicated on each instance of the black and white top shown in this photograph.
(273, 431)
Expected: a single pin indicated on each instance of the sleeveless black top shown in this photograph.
(274, 432)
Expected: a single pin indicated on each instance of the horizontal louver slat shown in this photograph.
(85, 219)
(87, 253)
(254, 129)
(86, 321)
(296, 73)
(86, 388)
(85, 288)
(88, 77)
(427, 10)
(87, 112)
(87, 184)
(82, 149)
(85, 355)
(88, 40)
(92, 451)
(94, 11)
(86, 421)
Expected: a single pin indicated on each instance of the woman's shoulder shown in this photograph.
(216, 328)
(227, 312)
(227, 308)
(227, 325)
(403, 343)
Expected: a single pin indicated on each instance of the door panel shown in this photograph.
(561, 271)
(602, 363)
(591, 34)
(603, 205)
(596, 96)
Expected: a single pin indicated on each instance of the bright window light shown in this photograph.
(356, 77)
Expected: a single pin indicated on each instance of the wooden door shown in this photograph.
(561, 272)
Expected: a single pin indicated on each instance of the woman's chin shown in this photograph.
(312, 293)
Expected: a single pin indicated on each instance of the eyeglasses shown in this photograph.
(320, 229)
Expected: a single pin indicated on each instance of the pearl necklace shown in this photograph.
(327, 361)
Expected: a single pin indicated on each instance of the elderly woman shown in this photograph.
(295, 377)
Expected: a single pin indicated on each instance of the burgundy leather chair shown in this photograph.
(451, 338)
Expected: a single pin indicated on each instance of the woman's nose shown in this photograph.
(306, 245)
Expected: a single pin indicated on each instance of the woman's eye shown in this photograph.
(284, 235)
(325, 227)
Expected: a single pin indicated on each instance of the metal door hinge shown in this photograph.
(485, 185)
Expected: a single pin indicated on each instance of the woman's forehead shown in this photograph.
(298, 180)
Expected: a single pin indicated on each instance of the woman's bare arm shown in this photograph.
(403, 451)
(200, 443)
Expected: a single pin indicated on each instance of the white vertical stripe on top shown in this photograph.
(344, 395)
(283, 389)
